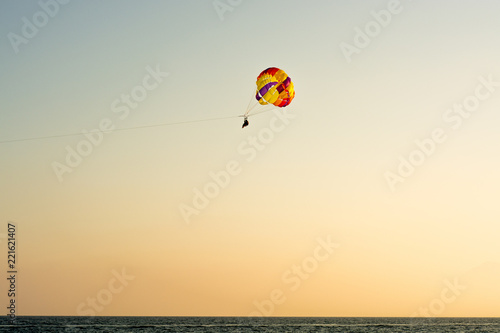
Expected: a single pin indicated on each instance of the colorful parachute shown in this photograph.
(275, 87)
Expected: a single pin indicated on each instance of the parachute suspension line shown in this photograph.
(255, 103)
(252, 99)
(251, 105)
(266, 108)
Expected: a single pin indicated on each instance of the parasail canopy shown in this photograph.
(275, 87)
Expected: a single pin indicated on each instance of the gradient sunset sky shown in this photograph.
(317, 209)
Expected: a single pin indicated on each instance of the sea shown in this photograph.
(246, 324)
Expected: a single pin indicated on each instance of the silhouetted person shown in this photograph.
(245, 123)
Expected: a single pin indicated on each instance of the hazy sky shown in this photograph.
(375, 193)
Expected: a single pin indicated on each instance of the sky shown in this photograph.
(374, 193)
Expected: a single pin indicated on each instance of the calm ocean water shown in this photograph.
(245, 324)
